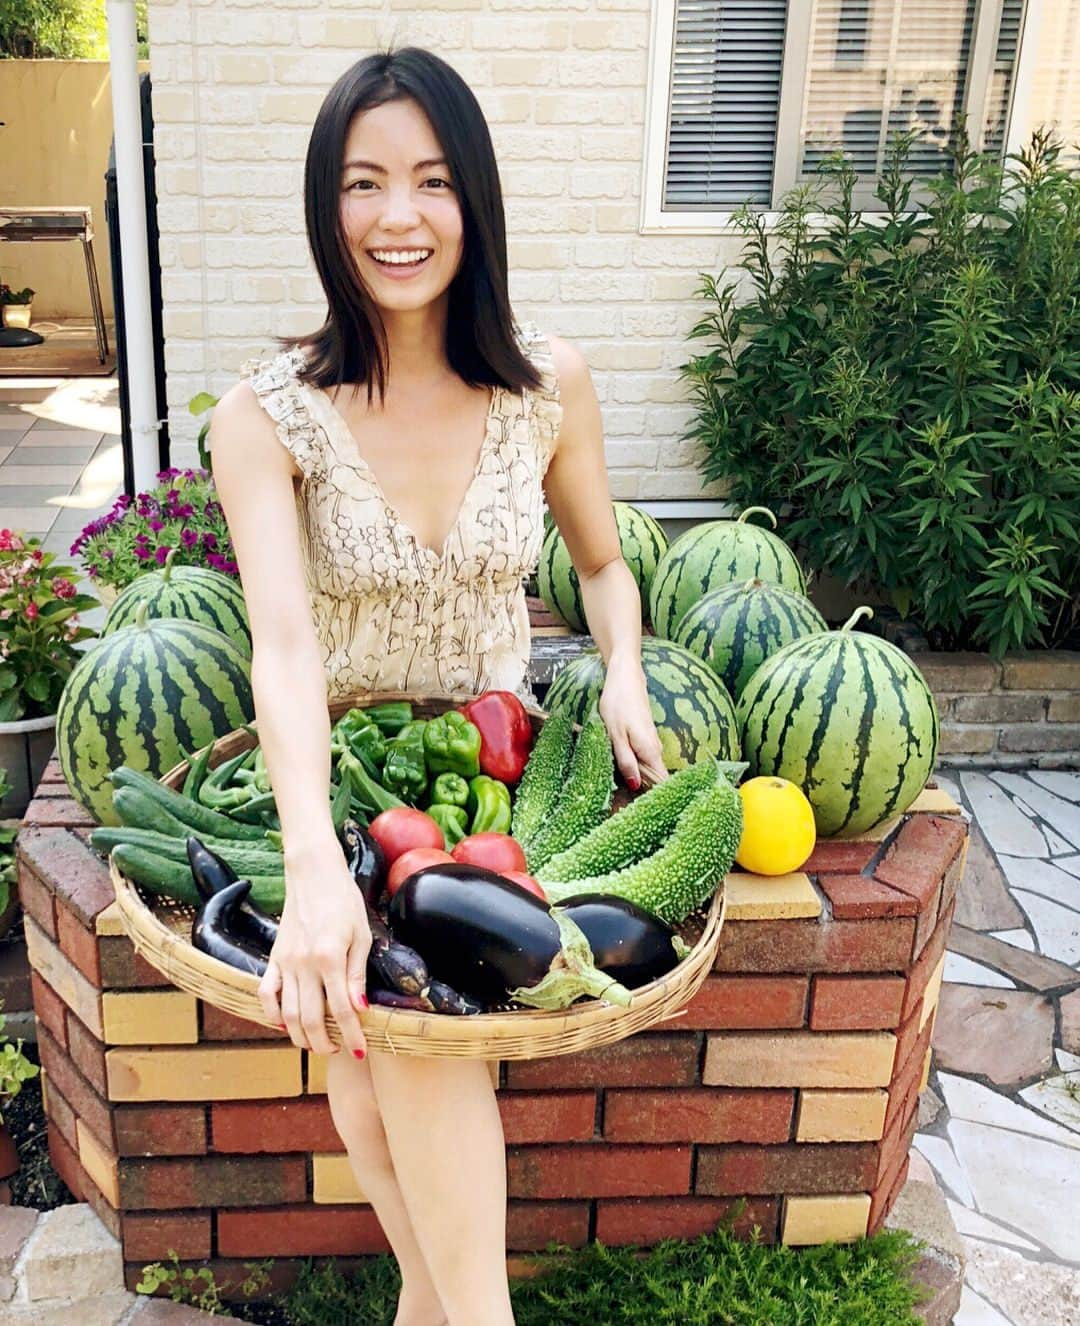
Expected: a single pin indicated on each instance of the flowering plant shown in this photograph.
(181, 512)
(39, 627)
(9, 296)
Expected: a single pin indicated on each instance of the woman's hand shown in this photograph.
(624, 707)
(319, 960)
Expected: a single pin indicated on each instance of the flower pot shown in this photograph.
(25, 747)
(9, 1157)
(16, 315)
(108, 594)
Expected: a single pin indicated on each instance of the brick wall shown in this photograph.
(236, 88)
(789, 1084)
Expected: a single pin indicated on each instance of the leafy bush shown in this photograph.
(908, 385)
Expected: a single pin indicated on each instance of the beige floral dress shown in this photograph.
(390, 612)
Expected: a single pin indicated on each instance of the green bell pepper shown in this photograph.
(452, 745)
(450, 789)
(453, 821)
(391, 717)
(359, 732)
(405, 772)
(489, 803)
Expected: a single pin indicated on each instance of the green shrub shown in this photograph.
(907, 384)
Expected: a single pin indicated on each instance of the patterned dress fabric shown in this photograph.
(390, 613)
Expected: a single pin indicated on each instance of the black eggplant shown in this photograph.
(395, 999)
(445, 1000)
(214, 931)
(212, 874)
(396, 966)
(367, 863)
(627, 942)
(492, 940)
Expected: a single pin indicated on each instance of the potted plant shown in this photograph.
(181, 512)
(15, 1069)
(9, 893)
(15, 305)
(39, 632)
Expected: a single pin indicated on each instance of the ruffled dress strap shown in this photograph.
(544, 402)
(276, 382)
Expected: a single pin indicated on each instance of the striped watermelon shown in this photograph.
(643, 543)
(735, 629)
(849, 719)
(693, 712)
(147, 696)
(187, 593)
(718, 553)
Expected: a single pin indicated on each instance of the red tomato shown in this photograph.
(397, 830)
(493, 851)
(408, 863)
(526, 882)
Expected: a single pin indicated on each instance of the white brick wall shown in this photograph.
(237, 84)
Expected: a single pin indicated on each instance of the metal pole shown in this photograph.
(135, 268)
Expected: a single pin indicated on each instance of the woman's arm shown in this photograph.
(577, 492)
(321, 953)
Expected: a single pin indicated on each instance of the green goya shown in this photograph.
(542, 782)
(585, 799)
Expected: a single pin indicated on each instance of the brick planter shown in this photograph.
(789, 1084)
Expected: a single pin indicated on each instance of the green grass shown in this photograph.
(710, 1281)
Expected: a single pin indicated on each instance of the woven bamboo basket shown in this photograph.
(160, 929)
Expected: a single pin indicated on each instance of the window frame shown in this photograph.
(793, 86)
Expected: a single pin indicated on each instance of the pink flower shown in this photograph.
(63, 589)
(161, 553)
(32, 611)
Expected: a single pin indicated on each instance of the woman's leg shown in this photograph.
(356, 1117)
(445, 1136)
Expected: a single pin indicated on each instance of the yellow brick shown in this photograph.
(64, 977)
(229, 1073)
(152, 1017)
(934, 801)
(841, 1116)
(108, 922)
(763, 897)
(924, 1080)
(799, 1059)
(98, 1163)
(836, 1219)
(932, 992)
(316, 1074)
(333, 1180)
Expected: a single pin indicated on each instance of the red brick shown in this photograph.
(646, 1060)
(88, 1054)
(160, 1130)
(923, 851)
(905, 1083)
(810, 946)
(920, 973)
(62, 1115)
(856, 1003)
(547, 1116)
(103, 1208)
(229, 1274)
(701, 1114)
(53, 791)
(66, 1163)
(53, 812)
(300, 1231)
(598, 1171)
(124, 969)
(52, 773)
(217, 1025)
(72, 868)
(169, 1185)
(49, 1008)
(897, 1140)
(531, 1226)
(728, 1003)
(858, 897)
(645, 1221)
(835, 856)
(37, 901)
(78, 943)
(15, 994)
(148, 1236)
(273, 1126)
(80, 1095)
(804, 1167)
(881, 1201)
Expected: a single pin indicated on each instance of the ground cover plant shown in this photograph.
(905, 386)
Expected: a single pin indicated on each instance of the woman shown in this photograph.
(383, 482)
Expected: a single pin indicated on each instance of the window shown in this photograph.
(747, 97)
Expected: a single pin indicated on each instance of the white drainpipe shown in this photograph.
(135, 268)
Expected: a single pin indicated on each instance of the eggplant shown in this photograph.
(627, 942)
(367, 862)
(212, 874)
(395, 999)
(445, 1000)
(492, 940)
(396, 966)
(214, 930)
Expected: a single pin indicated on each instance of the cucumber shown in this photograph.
(139, 811)
(244, 858)
(201, 820)
(170, 879)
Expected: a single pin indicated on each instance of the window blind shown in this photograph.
(1055, 87)
(725, 92)
(999, 95)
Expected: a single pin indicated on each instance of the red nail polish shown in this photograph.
(359, 1053)
(363, 1001)
(282, 1027)
(633, 784)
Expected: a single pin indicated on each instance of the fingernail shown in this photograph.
(363, 1001)
(282, 1027)
(359, 1054)
(633, 784)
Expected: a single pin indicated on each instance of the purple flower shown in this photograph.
(108, 553)
(188, 538)
(161, 553)
(142, 552)
(156, 524)
(209, 540)
(185, 511)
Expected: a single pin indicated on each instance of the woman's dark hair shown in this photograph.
(350, 346)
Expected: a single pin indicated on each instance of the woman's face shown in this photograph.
(399, 211)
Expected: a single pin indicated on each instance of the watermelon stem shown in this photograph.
(140, 613)
(165, 575)
(753, 511)
(864, 611)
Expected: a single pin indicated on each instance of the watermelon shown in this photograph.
(188, 593)
(147, 696)
(693, 712)
(643, 543)
(735, 629)
(848, 718)
(718, 553)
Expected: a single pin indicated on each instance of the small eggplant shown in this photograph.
(628, 942)
(395, 999)
(211, 875)
(214, 931)
(367, 862)
(445, 1000)
(489, 938)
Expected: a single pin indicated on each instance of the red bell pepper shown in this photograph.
(505, 731)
